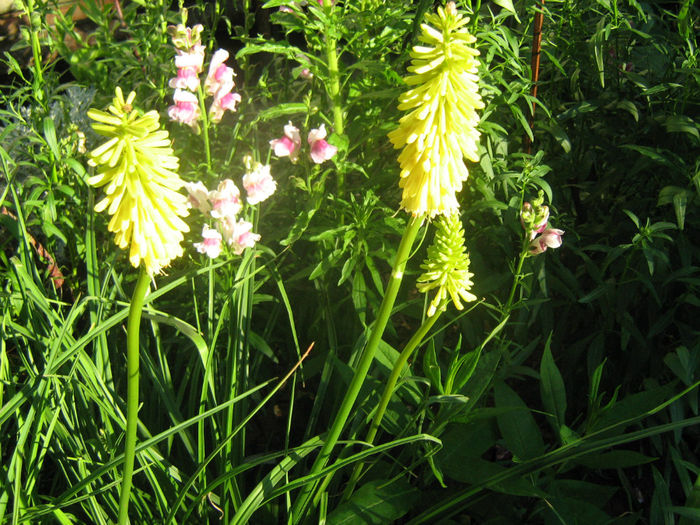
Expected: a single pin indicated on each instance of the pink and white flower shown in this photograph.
(219, 73)
(321, 151)
(211, 242)
(289, 144)
(198, 196)
(224, 100)
(225, 200)
(186, 108)
(189, 66)
(550, 238)
(259, 184)
(306, 74)
(238, 234)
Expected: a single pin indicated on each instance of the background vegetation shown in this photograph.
(575, 402)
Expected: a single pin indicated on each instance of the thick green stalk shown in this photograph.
(392, 289)
(132, 390)
(410, 347)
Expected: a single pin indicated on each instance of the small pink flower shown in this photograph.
(550, 238)
(211, 242)
(259, 184)
(223, 100)
(306, 74)
(286, 9)
(289, 144)
(198, 196)
(320, 149)
(219, 73)
(225, 200)
(186, 108)
(186, 78)
(238, 234)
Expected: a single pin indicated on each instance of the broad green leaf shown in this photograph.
(615, 459)
(520, 432)
(660, 512)
(376, 503)
(552, 387)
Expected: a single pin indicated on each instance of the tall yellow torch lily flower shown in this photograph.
(137, 169)
(441, 127)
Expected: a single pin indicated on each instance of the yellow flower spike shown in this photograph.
(447, 266)
(440, 129)
(138, 171)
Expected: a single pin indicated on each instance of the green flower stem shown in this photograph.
(205, 126)
(334, 86)
(392, 289)
(35, 26)
(406, 353)
(517, 277)
(132, 392)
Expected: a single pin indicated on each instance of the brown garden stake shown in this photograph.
(535, 67)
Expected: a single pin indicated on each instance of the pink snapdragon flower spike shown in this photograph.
(550, 238)
(198, 196)
(189, 65)
(211, 242)
(259, 184)
(238, 234)
(219, 73)
(225, 200)
(186, 108)
(289, 144)
(321, 151)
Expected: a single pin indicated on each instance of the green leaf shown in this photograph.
(291, 108)
(560, 136)
(431, 368)
(681, 124)
(552, 387)
(508, 6)
(517, 426)
(660, 512)
(376, 503)
(615, 459)
(50, 136)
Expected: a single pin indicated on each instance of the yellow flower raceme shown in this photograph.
(137, 169)
(447, 266)
(441, 127)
